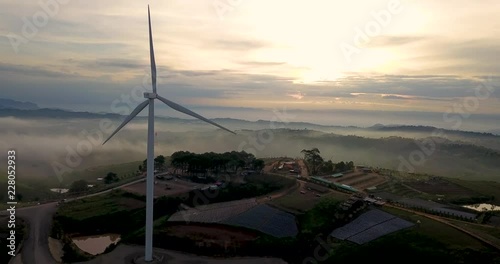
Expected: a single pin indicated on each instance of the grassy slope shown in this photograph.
(438, 231)
(35, 190)
(487, 188)
(296, 201)
(91, 174)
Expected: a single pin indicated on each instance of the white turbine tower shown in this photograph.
(150, 163)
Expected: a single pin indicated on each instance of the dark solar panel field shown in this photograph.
(244, 213)
(369, 226)
(380, 230)
(213, 213)
(363, 222)
(266, 219)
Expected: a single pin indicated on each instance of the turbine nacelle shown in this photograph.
(148, 95)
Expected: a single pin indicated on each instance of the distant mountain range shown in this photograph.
(12, 104)
(19, 109)
(462, 154)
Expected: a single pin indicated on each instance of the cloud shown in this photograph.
(393, 96)
(27, 70)
(262, 63)
(297, 95)
(386, 40)
(408, 97)
(94, 56)
(238, 44)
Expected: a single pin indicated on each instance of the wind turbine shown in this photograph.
(150, 97)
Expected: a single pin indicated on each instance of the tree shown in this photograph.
(350, 165)
(159, 162)
(327, 167)
(312, 156)
(78, 186)
(110, 178)
(341, 166)
(258, 164)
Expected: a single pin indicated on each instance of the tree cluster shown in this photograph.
(316, 164)
(159, 163)
(79, 186)
(214, 163)
(110, 178)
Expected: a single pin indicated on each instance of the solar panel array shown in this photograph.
(213, 213)
(244, 213)
(369, 226)
(363, 222)
(380, 230)
(266, 219)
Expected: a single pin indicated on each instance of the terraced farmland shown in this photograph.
(369, 226)
(361, 180)
(397, 188)
(266, 219)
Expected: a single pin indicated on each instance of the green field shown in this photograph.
(101, 205)
(123, 170)
(26, 192)
(491, 234)
(486, 188)
(396, 187)
(100, 214)
(300, 203)
(438, 231)
(36, 190)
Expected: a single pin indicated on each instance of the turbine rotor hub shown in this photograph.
(150, 95)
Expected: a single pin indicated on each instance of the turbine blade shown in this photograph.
(186, 111)
(152, 55)
(137, 110)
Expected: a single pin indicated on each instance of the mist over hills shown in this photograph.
(44, 137)
(240, 123)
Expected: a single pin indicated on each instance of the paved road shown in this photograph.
(35, 248)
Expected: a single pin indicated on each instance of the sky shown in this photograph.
(229, 56)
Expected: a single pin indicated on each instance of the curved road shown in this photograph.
(35, 249)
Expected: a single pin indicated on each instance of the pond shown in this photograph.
(96, 244)
(483, 207)
(59, 190)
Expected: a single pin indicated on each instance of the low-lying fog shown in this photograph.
(45, 146)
